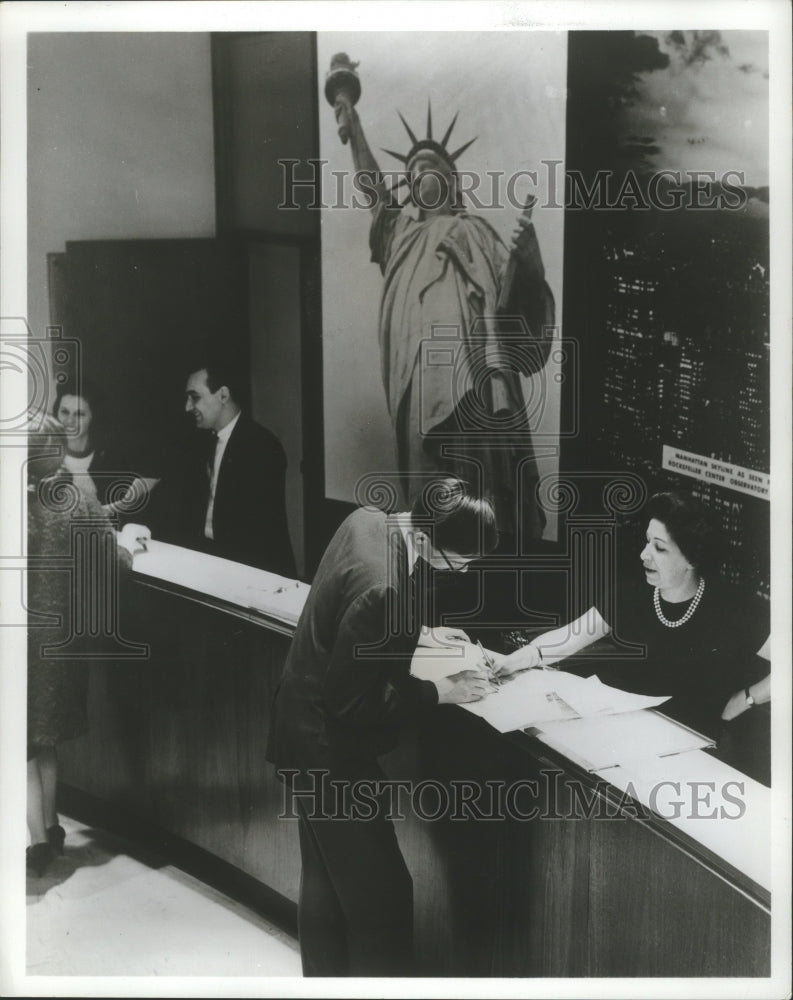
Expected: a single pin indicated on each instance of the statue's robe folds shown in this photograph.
(451, 368)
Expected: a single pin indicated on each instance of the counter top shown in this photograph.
(730, 818)
(249, 592)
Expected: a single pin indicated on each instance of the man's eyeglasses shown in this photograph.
(460, 565)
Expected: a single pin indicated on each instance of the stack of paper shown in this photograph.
(541, 696)
(593, 724)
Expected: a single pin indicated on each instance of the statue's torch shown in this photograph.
(342, 81)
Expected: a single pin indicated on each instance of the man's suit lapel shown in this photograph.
(232, 456)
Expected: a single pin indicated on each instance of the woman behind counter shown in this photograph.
(702, 642)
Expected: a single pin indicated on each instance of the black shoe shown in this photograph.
(38, 858)
(55, 838)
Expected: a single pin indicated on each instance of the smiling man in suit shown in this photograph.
(226, 495)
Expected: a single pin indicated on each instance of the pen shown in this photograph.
(491, 667)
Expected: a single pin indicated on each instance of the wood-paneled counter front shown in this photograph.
(602, 888)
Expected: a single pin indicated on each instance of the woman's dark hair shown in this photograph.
(455, 518)
(93, 395)
(691, 526)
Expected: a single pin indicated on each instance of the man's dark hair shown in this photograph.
(691, 526)
(455, 518)
(221, 372)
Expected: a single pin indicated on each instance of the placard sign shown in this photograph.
(711, 470)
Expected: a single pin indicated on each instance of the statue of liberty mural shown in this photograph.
(449, 279)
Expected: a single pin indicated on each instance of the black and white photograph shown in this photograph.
(395, 443)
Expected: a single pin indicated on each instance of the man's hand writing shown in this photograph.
(468, 685)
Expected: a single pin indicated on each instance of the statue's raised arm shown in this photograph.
(342, 90)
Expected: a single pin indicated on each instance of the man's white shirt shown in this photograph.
(222, 440)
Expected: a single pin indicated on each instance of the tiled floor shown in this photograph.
(107, 908)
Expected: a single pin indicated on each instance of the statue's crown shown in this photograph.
(429, 144)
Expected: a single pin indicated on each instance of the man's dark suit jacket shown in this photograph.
(347, 690)
(249, 519)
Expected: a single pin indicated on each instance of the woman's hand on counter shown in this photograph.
(739, 703)
(525, 658)
(736, 706)
(468, 685)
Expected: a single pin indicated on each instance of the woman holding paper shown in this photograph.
(693, 638)
(95, 469)
(67, 529)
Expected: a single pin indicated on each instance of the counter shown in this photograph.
(596, 883)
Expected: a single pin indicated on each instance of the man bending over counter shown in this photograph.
(345, 694)
(225, 494)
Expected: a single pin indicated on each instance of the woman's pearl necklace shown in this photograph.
(691, 608)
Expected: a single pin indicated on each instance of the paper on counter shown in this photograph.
(604, 741)
(245, 586)
(533, 696)
(536, 696)
(284, 600)
(590, 696)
